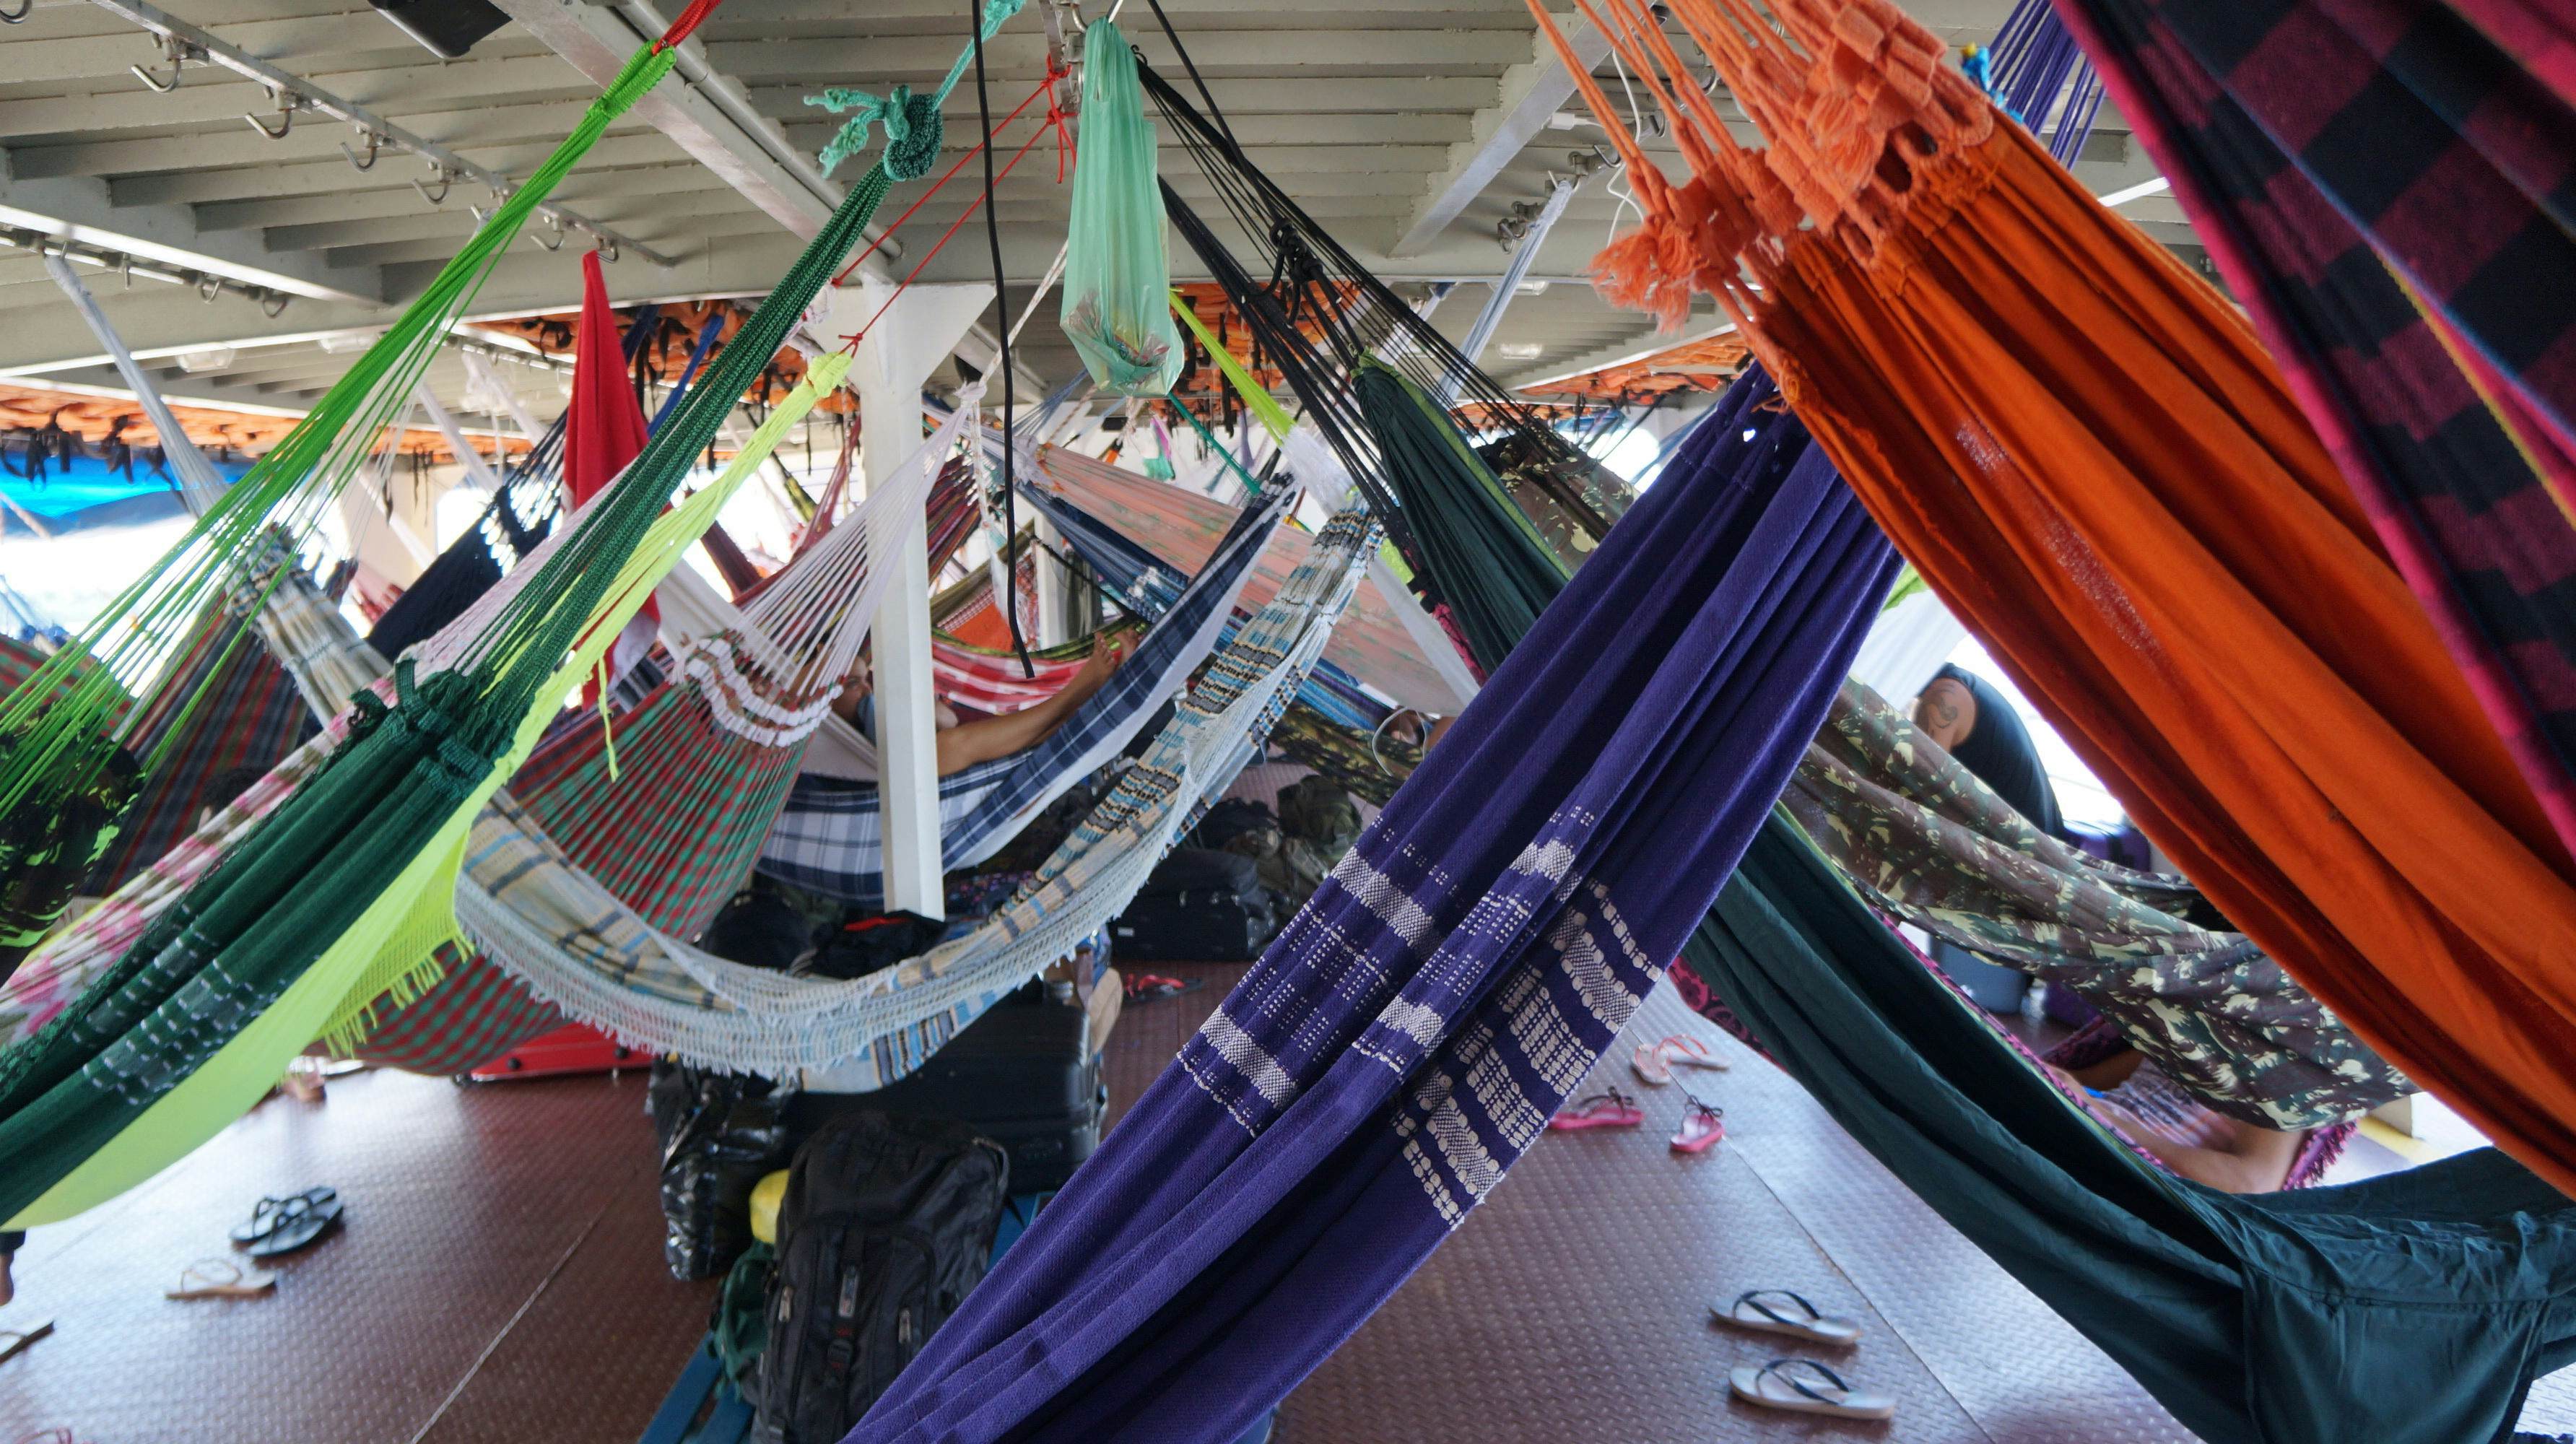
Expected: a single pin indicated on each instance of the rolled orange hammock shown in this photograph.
(2085, 450)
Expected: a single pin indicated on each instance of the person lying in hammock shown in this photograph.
(963, 743)
(2138, 1102)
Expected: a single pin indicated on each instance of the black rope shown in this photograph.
(1010, 604)
(1183, 51)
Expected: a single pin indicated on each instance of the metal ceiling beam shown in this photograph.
(406, 93)
(80, 210)
(51, 338)
(303, 95)
(1531, 92)
(1373, 96)
(704, 113)
(1017, 57)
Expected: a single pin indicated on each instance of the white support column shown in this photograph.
(1055, 586)
(915, 333)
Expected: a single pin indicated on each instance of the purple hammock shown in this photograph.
(1413, 1029)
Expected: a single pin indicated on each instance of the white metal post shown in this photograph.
(915, 332)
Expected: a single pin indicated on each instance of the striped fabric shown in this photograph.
(977, 678)
(234, 708)
(2393, 197)
(827, 838)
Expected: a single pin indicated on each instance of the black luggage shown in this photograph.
(1200, 906)
(721, 1134)
(886, 1225)
(760, 928)
(1023, 1075)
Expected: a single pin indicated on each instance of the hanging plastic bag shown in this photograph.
(1117, 264)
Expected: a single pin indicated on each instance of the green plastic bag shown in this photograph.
(1118, 264)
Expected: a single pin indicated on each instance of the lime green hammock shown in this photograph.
(61, 732)
(347, 889)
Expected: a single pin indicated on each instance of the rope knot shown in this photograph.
(914, 149)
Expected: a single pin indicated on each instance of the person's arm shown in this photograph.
(986, 738)
(2249, 1160)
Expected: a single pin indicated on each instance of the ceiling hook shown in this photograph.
(608, 247)
(174, 50)
(554, 223)
(275, 305)
(445, 183)
(20, 18)
(209, 287)
(288, 102)
(373, 141)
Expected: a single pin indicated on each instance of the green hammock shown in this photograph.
(59, 732)
(346, 890)
(1465, 524)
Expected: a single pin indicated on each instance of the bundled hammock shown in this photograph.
(1117, 272)
(60, 735)
(2410, 259)
(2086, 452)
(1409, 1034)
(296, 931)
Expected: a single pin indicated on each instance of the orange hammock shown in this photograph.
(2086, 452)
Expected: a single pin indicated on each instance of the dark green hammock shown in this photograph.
(2415, 1308)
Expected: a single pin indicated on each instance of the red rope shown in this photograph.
(1047, 86)
(1044, 87)
(689, 20)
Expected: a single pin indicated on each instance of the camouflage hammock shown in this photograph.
(1923, 838)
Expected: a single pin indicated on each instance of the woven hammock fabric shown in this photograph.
(2386, 188)
(2085, 451)
(231, 706)
(56, 746)
(296, 932)
(828, 837)
(1178, 530)
(1411, 1031)
(557, 931)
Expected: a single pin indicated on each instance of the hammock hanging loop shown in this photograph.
(911, 124)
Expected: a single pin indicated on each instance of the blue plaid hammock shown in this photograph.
(1144, 584)
(1410, 1033)
(829, 837)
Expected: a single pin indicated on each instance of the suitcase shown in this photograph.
(1200, 906)
(1022, 1075)
(572, 1048)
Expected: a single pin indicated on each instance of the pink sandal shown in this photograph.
(1654, 1061)
(1613, 1109)
(1702, 1126)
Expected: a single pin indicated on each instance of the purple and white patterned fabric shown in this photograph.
(1412, 1030)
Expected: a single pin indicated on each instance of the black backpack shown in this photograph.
(887, 1223)
(760, 928)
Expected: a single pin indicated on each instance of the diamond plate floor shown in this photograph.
(499, 1280)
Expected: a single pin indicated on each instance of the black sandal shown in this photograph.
(283, 1225)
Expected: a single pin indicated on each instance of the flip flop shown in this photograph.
(1144, 986)
(1818, 1327)
(16, 1339)
(1613, 1109)
(1807, 1387)
(297, 1224)
(1687, 1052)
(1653, 1062)
(218, 1278)
(1702, 1126)
(268, 1212)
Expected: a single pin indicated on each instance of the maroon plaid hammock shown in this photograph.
(234, 711)
(2393, 197)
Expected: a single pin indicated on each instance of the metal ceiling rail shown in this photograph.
(183, 42)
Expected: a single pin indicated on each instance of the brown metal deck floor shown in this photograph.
(499, 1281)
